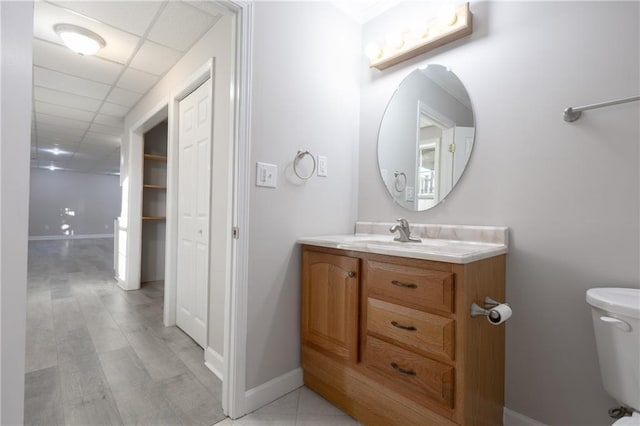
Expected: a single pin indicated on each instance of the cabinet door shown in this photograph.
(330, 303)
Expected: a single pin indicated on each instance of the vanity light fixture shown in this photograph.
(80, 40)
(451, 24)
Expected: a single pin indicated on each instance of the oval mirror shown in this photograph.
(425, 138)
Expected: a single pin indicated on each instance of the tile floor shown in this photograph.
(302, 407)
(97, 355)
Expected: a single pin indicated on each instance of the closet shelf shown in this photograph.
(149, 186)
(155, 157)
(153, 217)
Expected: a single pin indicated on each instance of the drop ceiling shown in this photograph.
(79, 102)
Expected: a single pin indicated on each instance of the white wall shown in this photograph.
(94, 200)
(539, 175)
(216, 43)
(306, 58)
(16, 32)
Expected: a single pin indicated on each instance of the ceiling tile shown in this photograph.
(55, 130)
(67, 83)
(102, 139)
(154, 58)
(180, 25)
(65, 99)
(107, 130)
(113, 109)
(208, 7)
(137, 81)
(124, 97)
(65, 147)
(119, 44)
(59, 58)
(80, 164)
(48, 155)
(109, 120)
(131, 16)
(61, 111)
(63, 123)
(94, 150)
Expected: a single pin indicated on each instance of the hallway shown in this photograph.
(99, 355)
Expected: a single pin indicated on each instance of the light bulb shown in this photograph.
(395, 41)
(372, 51)
(419, 29)
(447, 16)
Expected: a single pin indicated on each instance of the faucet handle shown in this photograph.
(403, 222)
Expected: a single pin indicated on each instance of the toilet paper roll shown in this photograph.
(499, 314)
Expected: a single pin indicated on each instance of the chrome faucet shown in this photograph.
(404, 232)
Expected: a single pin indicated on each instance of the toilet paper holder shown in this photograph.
(489, 304)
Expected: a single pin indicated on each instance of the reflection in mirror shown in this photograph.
(425, 138)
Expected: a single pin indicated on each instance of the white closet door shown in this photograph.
(194, 177)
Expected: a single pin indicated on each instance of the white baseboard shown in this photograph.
(268, 392)
(214, 362)
(121, 283)
(68, 237)
(512, 418)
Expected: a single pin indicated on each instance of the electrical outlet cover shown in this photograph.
(322, 166)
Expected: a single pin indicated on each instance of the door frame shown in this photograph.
(235, 315)
(235, 330)
(133, 225)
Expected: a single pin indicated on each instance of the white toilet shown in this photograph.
(616, 322)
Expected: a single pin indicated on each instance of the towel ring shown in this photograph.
(400, 184)
(299, 156)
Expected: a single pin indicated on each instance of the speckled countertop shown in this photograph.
(443, 243)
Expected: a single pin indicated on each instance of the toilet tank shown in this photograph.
(616, 322)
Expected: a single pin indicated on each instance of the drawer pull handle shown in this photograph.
(401, 284)
(402, 370)
(404, 327)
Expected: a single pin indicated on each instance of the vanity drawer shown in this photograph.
(414, 375)
(416, 329)
(413, 286)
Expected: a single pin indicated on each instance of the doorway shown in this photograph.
(225, 312)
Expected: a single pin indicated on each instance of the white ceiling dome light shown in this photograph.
(78, 39)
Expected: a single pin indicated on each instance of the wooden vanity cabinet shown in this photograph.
(330, 303)
(391, 341)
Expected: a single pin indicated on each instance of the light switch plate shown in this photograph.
(266, 175)
(322, 166)
(408, 193)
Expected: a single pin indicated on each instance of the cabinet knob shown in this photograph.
(351, 274)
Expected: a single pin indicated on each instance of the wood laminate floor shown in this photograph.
(98, 355)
